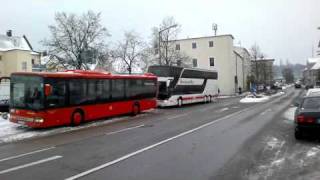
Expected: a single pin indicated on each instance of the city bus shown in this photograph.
(178, 85)
(41, 100)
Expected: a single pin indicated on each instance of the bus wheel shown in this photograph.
(135, 109)
(77, 118)
(180, 102)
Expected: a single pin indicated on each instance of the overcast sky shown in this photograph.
(284, 29)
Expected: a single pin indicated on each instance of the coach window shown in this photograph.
(78, 91)
(149, 88)
(57, 98)
(118, 89)
(102, 90)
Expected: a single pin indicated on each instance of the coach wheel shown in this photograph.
(135, 109)
(5, 116)
(77, 118)
(180, 102)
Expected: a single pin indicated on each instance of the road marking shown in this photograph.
(126, 129)
(25, 154)
(177, 116)
(30, 164)
(85, 173)
(265, 111)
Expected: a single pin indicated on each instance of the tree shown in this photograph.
(256, 54)
(77, 40)
(164, 46)
(130, 53)
(287, 73)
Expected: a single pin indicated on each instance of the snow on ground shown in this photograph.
(260, 98)
(289, 114)
(11, 132)
(253, 99)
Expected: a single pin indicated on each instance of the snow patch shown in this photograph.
(313, 151)
(253, 99)
(224, 109)
(277, 162)
(289, 113)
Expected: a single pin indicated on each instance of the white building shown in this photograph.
(219, 53)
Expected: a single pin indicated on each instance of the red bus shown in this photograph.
(41, 100)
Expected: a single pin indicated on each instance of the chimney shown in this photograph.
(9, 33)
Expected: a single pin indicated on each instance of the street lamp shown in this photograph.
(172, 26)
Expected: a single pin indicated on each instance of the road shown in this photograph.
(222, 140)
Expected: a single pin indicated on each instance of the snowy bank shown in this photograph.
(254, 99)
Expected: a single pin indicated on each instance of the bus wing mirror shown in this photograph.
(47, 89)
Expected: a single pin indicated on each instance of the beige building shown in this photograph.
(16, 54)
(219, 53)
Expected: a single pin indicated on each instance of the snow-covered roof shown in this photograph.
(13, 43)
(316, 65)
(313, 60)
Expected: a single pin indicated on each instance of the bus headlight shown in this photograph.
(38, 120)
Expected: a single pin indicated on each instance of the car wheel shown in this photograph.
(298, 134)
(77, 118)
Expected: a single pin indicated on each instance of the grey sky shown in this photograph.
(284, 29)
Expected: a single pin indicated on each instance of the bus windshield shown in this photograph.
(27, 92)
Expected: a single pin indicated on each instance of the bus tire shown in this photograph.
(180, 102)
(135, 109)
(77, 117)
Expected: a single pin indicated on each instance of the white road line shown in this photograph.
(30, 164)
(126, 129)
(265, 111)
(25, 154)
(177, 116)
(150, 147)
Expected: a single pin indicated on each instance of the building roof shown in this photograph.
(13, 43)
(205, 37)
(316, 65)
(313, 60)
(263, 60)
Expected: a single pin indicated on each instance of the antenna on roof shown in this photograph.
(215, 28)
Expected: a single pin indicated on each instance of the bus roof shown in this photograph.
(86, 74)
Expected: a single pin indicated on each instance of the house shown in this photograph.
(262, 70)
(218, 53)
(16, 54)
(311, 74)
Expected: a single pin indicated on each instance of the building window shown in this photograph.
(210, 43)
(24, 66)
(194, 45)
(211, 61)
(177, 47)
(195, 62)
(32, 61)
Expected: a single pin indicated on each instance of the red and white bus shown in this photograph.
(178, 85)
(42, 100)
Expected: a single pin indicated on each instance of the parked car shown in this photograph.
(307, 116)
(313, 92)
(297, 85)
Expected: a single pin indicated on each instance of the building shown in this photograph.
(219, 53)
(262, 71)
(16, 54)
(311, 74)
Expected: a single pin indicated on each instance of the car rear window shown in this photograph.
(311, 103)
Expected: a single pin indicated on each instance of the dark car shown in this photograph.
(4, 105)
(297, 85)
(307, 116)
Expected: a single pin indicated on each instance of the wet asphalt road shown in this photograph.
(222, 140)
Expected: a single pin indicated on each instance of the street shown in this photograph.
(222, 140)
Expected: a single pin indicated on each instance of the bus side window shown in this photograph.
(118, 92)
(78, 91)
(57, 98)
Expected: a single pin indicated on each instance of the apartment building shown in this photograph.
(219, 53)
(16, 54)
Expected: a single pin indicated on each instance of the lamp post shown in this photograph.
(172, 26)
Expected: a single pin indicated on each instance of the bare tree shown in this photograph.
(255, 55)
(164, 46)
(77, 40)
(130, 53)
